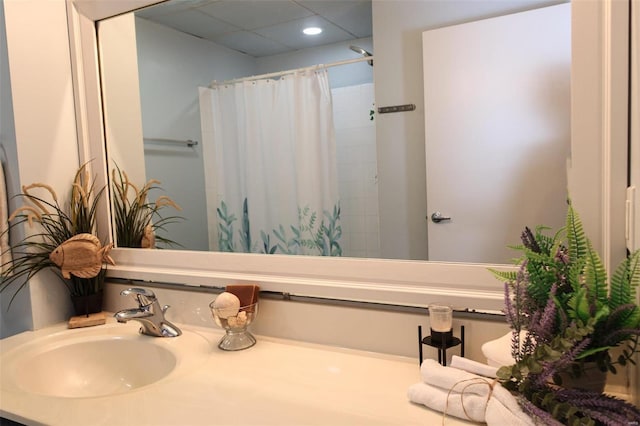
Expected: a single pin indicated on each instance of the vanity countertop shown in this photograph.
(276, 382)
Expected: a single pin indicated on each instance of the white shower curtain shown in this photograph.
(270, 166)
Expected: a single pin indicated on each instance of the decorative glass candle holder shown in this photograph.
(441, 318)
(235, 325)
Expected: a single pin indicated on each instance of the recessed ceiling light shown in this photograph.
(312, 31)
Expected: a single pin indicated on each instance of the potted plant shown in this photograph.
(61, 231)
(137, 219)
(567, 320)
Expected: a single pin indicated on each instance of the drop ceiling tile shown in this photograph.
(192, 21)
(345, 20)
(253, 14)
(251, 44)
(290, 33)
(352, 16)
(168, 7)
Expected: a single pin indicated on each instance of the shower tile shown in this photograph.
(371, 203)
(369, 156)
(348, 207)
(371, 223)
(358, 241)
(371, 189)
(371, 171)
(357, 170)
(358, 227)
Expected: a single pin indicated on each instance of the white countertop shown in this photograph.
(276, 382)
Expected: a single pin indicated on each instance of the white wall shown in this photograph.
(171, 67)
(400, 136)
(45, 132)
(119, 72)
(18, 318)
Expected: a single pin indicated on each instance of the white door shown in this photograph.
(497, 131)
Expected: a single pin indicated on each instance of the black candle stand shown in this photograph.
(441, 341)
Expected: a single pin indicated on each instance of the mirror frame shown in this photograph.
(599, 143)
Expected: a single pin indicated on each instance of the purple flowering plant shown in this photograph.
(564, 313)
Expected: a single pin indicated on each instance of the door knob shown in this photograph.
(437, 217)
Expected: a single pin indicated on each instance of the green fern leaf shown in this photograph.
(576, 238)
(592, 351)
(595, 276)
(633, 319)
(543, 274)
(578, 306)
(620, 292)
(518, 247)
(545, 242)
(634, 268)
(509, 276)
(624, 282)
(575, 274)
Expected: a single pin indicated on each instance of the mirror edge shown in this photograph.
(412, 283)
(395, 282)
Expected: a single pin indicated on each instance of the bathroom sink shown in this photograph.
(99, 361)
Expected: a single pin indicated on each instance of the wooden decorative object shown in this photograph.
(82, 256)
(87, 320)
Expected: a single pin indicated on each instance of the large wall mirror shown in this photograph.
(160, 107)
(292, 171)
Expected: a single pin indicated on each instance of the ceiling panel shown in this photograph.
(252, 44)
(352, 16)
(253, 14)
(282, 33)
(265, 27)
(169, 7)
(191, 21)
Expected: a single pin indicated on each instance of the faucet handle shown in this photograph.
(143, 296)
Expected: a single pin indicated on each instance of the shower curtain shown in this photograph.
(270, 166)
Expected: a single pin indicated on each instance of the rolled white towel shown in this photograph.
(474, 367)
(446, 389)
(472, 407)
(451, 404)
(503, 409)
(452, 378)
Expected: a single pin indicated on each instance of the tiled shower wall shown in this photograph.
(357, 169)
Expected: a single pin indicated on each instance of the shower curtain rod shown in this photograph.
(281, 73)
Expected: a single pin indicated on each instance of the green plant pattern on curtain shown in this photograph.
(225, 228)
(313, 235)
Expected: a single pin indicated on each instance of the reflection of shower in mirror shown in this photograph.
(382, 184)
(363, 52)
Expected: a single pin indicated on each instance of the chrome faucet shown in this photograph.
(148, 313)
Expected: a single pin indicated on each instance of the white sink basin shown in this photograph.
(99, 361)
